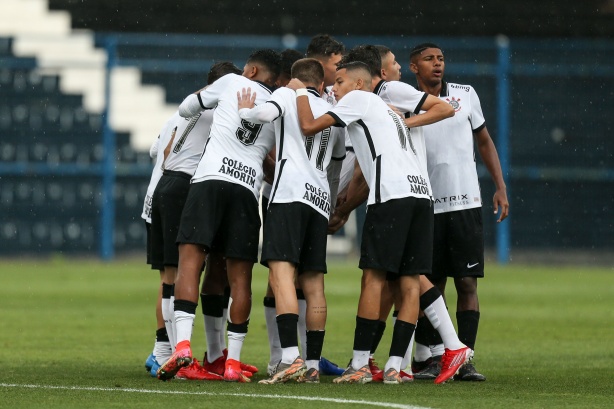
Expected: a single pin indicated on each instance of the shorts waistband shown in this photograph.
(178, 174)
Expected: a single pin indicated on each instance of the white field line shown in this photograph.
(243, 395)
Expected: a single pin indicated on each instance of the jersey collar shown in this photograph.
(444, 89)
(314, 91)
(270, 89)
(378, 87)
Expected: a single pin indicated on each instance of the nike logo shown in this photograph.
(472, 265)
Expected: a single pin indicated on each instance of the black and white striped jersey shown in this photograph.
(382, 146)
(236, 148)
(300, 171)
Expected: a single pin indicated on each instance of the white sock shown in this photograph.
(213, 327)
(235, 344)
(393, 362)
(437, 313)
(168, 314)
(302, 326)
(423, 352)
(288, 355)
(162, 351)
(183, 325)
(360, 359)
(271, 328)
(437, 350)
(313, 364)
(223, 331)
(407, 357)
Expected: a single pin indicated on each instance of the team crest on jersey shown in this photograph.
(455, 103)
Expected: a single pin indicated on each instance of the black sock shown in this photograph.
(467, 322)
(364, 334)
(315, 342)
(269, 302)
(161, 335)
(426, 334)
(185, 306)
(212, 304)
(401, 336)
(381, 327)
(287, 327)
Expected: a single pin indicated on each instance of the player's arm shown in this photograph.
(261, 114)
(308, 124)
(436, 110)
(358, 192)
(153, 150)
(268, 166)
(332, 174)
(488, 153)
(205, 98)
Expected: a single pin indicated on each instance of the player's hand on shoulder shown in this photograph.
(295, 84)
(245, 98)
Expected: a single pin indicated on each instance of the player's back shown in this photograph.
(382, 146)
(188, 144)
(236, 148)
(300, 174)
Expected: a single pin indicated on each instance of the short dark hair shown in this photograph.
(308, 70)
(353, 66)
(383, 50)
(421, 47)
(221, 68)
(288, 58)
(323, 45)
(367, 54)
(270, 59)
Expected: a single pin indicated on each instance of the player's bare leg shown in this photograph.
(312, 283)
(187, 283)
(281, 279)
(240, 305)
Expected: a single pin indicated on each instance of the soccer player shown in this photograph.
(458, 239)
(398, 226)
(162, 346)
(295, 231)
(222, 201)
(404, 97)
(288, 58)
(329, 52)
(183, 140)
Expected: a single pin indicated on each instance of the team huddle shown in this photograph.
(312, 137)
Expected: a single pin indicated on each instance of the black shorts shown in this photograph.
(297, 233)
(397, 237)
(458, 247)
(166, 207)
(223, 216)
(157, 267)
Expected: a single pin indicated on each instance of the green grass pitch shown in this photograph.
(75, 334)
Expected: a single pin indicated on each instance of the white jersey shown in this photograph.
(409, 101)
(450, 152)
(236, 148)
(184, 152)
(382, 146)
(189, 142)
(156, 173)
(329, 96)
(300, 169)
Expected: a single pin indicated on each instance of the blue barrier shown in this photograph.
(497, 60)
